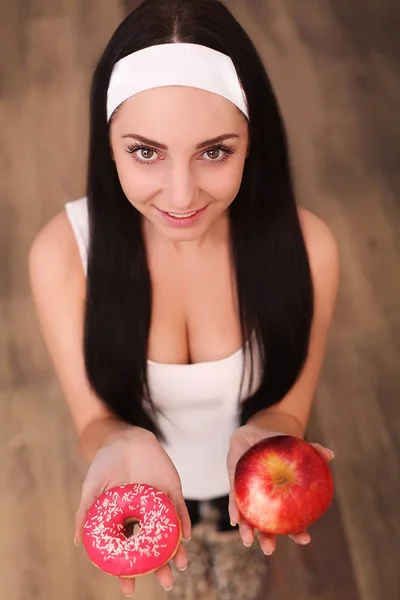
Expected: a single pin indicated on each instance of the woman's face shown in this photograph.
(180, 154)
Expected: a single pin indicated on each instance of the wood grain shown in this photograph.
(334, 66)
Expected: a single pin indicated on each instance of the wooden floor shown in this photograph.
(334, 65)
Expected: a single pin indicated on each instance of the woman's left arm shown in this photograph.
(291, 414)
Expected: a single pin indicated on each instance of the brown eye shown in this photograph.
(147, 153)
(213, 154)
(143, 154)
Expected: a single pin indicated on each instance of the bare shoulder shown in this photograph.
(54, 253)
(320, 241)
(323, 253)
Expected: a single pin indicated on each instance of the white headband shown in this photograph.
(163, 65)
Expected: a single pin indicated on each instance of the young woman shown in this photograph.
(186, 299)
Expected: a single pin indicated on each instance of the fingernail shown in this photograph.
(331, 452)
(187, 539)
(76, 543)
(233, 524)
(129, 595)
(168, 589)
(305, 542)
(183, 568)
(247, 543)
(268, 552)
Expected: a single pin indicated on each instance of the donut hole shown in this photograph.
(131, 527)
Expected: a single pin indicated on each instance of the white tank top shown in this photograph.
(199, 402)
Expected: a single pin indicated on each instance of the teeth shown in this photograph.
(182, 216)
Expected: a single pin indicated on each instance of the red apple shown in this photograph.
(282, 485)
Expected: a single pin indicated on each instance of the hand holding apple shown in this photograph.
(279, 485)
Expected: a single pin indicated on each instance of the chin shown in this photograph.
(184, 234)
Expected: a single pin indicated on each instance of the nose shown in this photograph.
(182, 188)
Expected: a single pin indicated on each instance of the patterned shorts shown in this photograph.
(220, 566)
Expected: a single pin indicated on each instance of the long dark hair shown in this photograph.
(273, 276)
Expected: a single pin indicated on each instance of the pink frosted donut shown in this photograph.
(154, 545)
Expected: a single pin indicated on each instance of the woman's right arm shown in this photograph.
(117, 452)
(59, 286)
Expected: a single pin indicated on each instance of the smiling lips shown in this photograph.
(182, 219)
(182, 216)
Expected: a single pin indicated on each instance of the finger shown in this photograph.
(183, 514)
(90, 493)
(302, 538)
(234, 514)
(326, 453)
(165, 577)
(246, 532)
(127, 586)
(180, 559)
(267, 543)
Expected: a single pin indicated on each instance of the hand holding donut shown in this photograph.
(134, 456)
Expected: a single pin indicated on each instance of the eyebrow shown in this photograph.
(154, 144)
